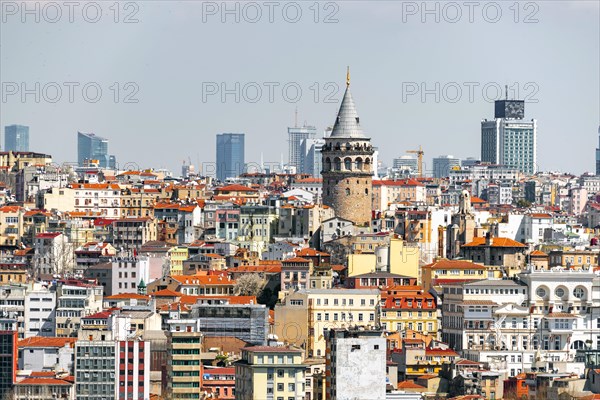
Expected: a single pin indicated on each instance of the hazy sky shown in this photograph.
(175, 59)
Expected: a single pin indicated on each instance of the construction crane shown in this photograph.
(419, 154)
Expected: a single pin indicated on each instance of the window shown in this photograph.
(280, 387)
(579, 292)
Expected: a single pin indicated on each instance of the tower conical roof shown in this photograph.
(347, 123)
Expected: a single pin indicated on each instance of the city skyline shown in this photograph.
(442, 127)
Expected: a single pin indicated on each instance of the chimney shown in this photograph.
(489, 236)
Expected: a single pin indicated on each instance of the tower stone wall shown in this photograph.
(348, 166)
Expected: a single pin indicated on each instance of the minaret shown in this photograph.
(348, 165)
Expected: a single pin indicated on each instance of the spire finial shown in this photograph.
(348, 76)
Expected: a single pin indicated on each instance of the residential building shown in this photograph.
(219, 382)
(408, 307)
(247, 322)
(302, 315)
(443, 271)
(230, 155)
(11, 228)
(388, 192)
(47, 354)
(75, 299)
(496, 251)
(128, 274)
(352, 350)
(12, 308)
(16, 138)
(416, 359)
(54, 254)
(130, 234)
(111, 358)
(184, 358)
(266, 372)
(40, 306)
(44, 386)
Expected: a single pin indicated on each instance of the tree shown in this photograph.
(249, 285)
(522, 203)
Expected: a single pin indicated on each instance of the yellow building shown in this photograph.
(302, 315)
(266, 372)
(184, 365)
(400, 257)
(444, 271)
(408, 308)
(177, 255)
(11, 225)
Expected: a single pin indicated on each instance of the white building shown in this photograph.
(128, 273)
(54, 254)
(40, 311)
(539, 321)
(356, 364)
(47, 354)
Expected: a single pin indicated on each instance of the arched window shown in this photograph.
(348, 164)
(359, 164)
(347, 191)
(327, 164)
(366, 191)
(337, 164)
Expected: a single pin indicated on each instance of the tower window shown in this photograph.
(347, 192)
(366, 191)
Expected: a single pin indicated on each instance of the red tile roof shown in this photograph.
(44, 381)
(409, 385)
(496, 242)
(47, 235)
(166, 293)
(40, 341)
(203, 280)
(295, 260)
(445, 263)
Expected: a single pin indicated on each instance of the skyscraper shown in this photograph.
(348, 165)
(312, 160)
(16, 138)
(230, 155)
(295, 138)
(443, 164)
(509, 139)
(93, 147)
